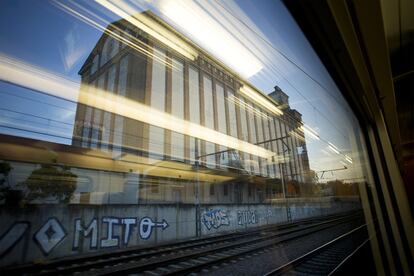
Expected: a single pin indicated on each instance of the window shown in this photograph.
(232, 114)
(194, 109)
(210, 148)
(194, 95)
(154, 189)
(177, 108)
(132, 124)
(107, 117)
(221, 109)
(223, 156)
(225, 190)
(95, 64)
(212, 189)
(208, 103)
(119, 120)
(158, 98)
(109, 50)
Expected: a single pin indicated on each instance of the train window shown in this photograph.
(192, 129)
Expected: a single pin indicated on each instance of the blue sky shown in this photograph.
(37, 33)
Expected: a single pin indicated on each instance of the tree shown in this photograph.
(293, 187)
(5, 169)
(51, 181)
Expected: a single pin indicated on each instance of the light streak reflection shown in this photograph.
(310, 132)
(248, 107)
(28, 76)
(118, 34)
(196, 21)
(333, 148)
(260, 99)
(150, 26)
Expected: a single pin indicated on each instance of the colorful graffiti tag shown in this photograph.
(215, 219)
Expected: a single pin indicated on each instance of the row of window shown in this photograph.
(210, 103)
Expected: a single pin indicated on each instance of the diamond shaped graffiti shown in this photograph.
(50, 235)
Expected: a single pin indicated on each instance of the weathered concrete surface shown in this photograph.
(222, 218)
(44, 232)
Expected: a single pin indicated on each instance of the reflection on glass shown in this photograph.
(107, 117)
(158, 92)
(177, 108)
(221, 109)
(194, 107)
(208, 102)
(154, 126)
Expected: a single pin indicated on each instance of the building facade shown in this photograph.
(199, 90)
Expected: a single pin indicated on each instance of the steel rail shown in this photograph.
(349, 256)
(240, 252)
(294, 263)
(241, 248)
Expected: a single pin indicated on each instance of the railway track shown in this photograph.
(327, 258)
(188, 256)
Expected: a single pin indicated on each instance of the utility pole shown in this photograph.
(282, 177)
(332, 170)
(197, 191)
(282, 173)
(197, 186)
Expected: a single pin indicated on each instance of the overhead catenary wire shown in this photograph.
(277, 71)
(34, 100)
(35, 116)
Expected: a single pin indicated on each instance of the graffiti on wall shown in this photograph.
(215, 219)
(269, 213)
(12, 236)
(146, 226)
(245, 217)
(52, 233)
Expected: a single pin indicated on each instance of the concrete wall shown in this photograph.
(42, 232)
(226, 217)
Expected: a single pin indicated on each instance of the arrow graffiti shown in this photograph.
(52, 233)
(146, 226)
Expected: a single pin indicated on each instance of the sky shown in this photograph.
(44, 36)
